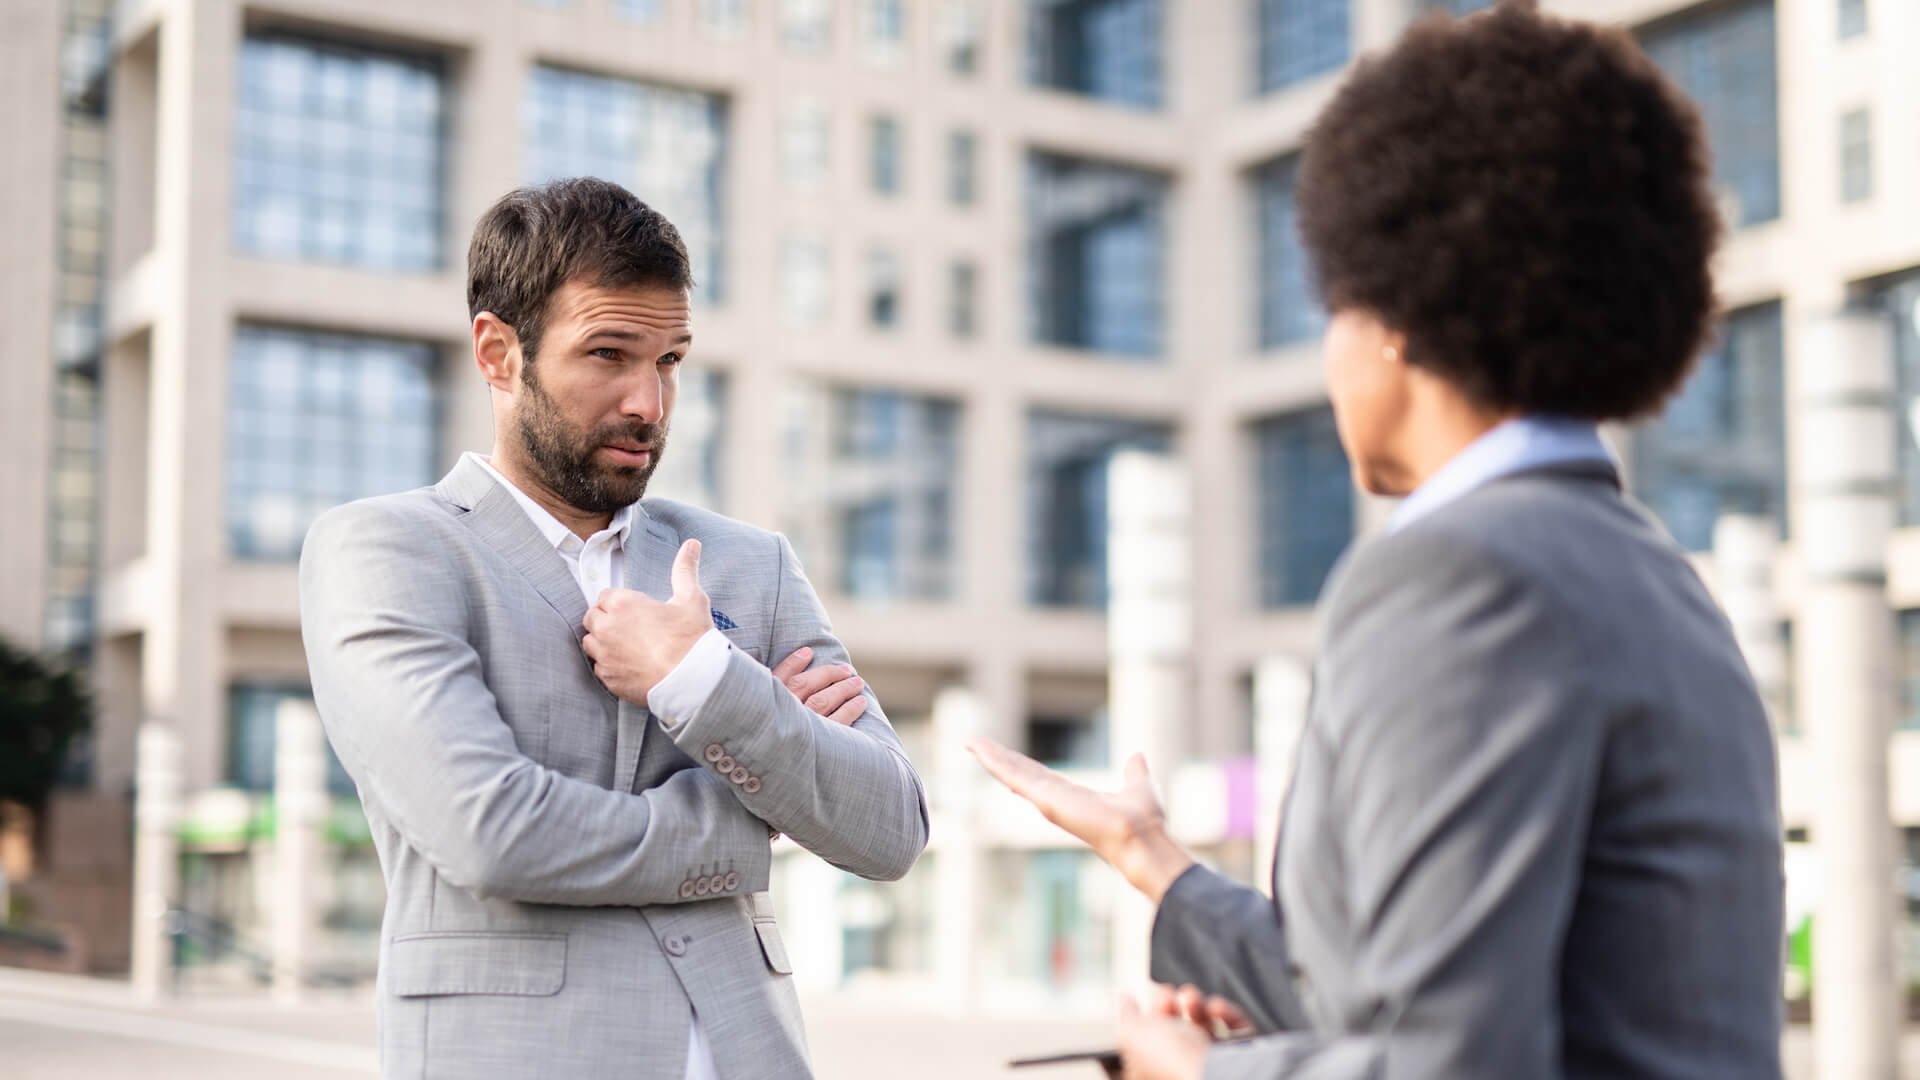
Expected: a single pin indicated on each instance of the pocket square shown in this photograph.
(720, 620)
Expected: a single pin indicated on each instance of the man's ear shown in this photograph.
(496, 351)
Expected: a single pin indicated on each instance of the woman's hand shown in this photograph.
(1165, 1035)
(1126, 828)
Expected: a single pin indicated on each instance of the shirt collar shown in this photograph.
(1527, 442)
(556, 532)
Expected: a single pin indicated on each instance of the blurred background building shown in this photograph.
(953, 257)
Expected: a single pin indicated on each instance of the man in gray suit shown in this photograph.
(554, 700)
(1533, 828)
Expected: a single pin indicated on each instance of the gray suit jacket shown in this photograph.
(1533, 829)
(566, 879)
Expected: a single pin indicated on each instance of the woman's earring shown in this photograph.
(1391, 353)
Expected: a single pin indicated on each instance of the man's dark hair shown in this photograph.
(1528, 200)
(537, 239)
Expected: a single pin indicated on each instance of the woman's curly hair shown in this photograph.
(1528, 200)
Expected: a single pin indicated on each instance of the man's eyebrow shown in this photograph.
(685, 338)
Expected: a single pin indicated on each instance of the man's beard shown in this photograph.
(565, 459)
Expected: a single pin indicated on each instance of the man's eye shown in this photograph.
(670, 359)
(607, 353)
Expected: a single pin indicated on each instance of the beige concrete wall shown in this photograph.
(30, 129)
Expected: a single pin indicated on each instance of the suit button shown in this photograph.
(752, 786)
(725, 765)
(715, 751)
(739, 774)
(675, 945)
(686, 890)
(702, 886)
(719, 884)
(731, 882)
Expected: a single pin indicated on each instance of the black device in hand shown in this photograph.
(1109, 1060)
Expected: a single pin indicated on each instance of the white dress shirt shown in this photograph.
(599, 563)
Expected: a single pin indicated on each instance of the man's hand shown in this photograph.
(832, 691)
(1165, 1034)
(1127, 828)
(635, 641)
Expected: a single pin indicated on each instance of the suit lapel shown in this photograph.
(649, 569)
(496, 518)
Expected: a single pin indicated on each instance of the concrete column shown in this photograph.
(1744, 547)
(183, 661)
(299, 845)
(1282, 686)
(1150, 635)
(156, 856)
(958, 714)
(1843, 484)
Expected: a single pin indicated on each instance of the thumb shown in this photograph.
(686, 570)
(1134, 773)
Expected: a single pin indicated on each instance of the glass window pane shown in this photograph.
(1724, 59)
(1719, 447)
(871, 489)
(1299, 39)
(317, 419)
(1306, 505)
(1107, 49)
(1095, 255)
(333, 143)
(1289, 312)
(1067, 461)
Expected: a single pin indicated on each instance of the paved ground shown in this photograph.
(61, 1028)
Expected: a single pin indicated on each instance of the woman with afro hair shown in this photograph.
(1533, 829)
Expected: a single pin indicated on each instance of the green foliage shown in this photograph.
(43, 707)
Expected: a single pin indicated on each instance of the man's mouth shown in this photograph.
(630, 453)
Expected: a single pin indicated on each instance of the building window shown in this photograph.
(805, 281)
(640, 11)
(1910, 670)
(1069, 740)
(317, 419)
(253, 737)
(1067, 462)
(876, 486)
(1853, 18)
(1856, 156)
(1306, 505)
(691, 470)
(1289, 312)
(884, 155)
(1095, 250)
(886, 31)
(805, 144)
(1719, 448)
(963, 287)
(339, 155)
(960, 36)
(1724, 59)
(1105, 49)
(723, 18)
(883, 289)
(1900, 299)
(963, 165)
(806, 26)
(1299, 39)
(666, 144)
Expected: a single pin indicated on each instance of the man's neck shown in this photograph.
(577, 521)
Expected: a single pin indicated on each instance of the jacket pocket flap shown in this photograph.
(771, 945)
(477, 962)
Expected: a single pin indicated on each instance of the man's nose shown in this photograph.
(643, 399)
